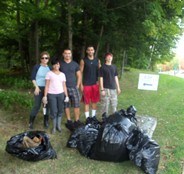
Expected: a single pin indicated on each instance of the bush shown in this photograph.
(15, 82)
(14, 99)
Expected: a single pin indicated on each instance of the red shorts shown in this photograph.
(91, 94)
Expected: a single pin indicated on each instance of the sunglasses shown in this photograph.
(44, 58)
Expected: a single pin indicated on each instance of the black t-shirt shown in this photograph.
(108, 72)
(90, 72)
(70, 69)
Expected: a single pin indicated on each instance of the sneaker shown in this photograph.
(95, 120)
(77, 124)
(88, 120)
(104, 117)
(69, 125)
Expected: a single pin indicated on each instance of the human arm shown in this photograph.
(79, 77)
(117, 85)
(44, 99)
(98, 71)
(99, 64)
(65, 91)
(37, 89)
(101, 86)
(81, 70)
(33, 78)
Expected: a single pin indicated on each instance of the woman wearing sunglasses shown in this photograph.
(38, 79)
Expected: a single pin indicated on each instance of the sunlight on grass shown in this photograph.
(166, 105)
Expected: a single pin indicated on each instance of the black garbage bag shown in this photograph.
(83, 139)
(129, 113)
(74, 137)
(144, 152)
(111, 141)
(16, 146)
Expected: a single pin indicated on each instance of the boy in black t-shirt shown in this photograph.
(109, 85)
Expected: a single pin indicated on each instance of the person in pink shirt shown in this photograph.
(55, 94)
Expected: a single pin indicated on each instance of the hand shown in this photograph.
(37, 90)
(66, 99)
(103, 93)
(118, 91)
(44, 100)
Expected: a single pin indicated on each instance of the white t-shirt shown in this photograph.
(56, 82)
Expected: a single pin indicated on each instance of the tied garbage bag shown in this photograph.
(111, 141)
(144, 152)
(83, 139)
(129, 113)
(118, 138)
(31, 146)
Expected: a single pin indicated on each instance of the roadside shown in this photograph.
(179, 73)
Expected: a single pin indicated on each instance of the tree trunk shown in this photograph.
(108, 47)
(151, 56)
(36, 36)
(19, 37)
(70, 32)
(83, 47)
(99, 40)
(34, 41)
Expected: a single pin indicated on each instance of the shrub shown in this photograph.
(15, 82)
(13, 99)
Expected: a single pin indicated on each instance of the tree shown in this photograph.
(139, 33)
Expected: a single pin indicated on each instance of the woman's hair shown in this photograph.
(55, 61)
(45, 53)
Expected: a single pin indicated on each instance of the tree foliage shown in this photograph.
(140, 33)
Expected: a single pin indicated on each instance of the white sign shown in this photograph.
(148, 82)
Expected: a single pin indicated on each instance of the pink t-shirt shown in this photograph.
(56, 82)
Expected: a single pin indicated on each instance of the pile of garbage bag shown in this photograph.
(31, 146)
(117, 138)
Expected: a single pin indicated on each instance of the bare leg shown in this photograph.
(94, 106)
(77, 113)
(86, 107)
(86, 110)
(67, 111)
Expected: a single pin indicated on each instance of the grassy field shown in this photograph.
(166, 105)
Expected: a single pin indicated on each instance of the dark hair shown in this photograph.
(90, 46)
(67, 49)
(108, 54)
(55, 61)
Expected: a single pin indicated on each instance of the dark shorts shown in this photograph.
(74, 96)
(91, 94)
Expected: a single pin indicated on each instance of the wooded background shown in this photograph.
(140, 33)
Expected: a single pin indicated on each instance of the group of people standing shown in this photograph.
(57, 88)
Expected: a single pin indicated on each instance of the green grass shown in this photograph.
(166, 104)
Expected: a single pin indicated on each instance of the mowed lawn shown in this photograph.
(166, 104)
